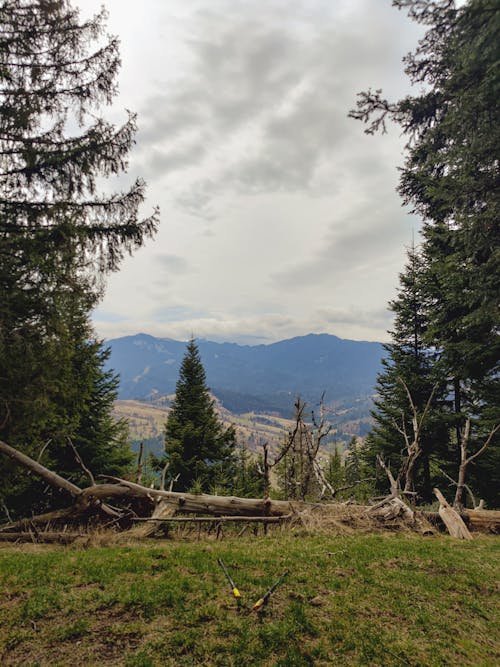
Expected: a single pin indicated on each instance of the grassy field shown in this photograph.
(365, 600)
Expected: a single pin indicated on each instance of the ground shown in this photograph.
(359, 600)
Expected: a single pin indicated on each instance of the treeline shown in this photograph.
(445, 347)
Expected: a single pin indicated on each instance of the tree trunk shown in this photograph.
(452, 519)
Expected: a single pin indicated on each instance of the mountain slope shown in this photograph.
(244, 377)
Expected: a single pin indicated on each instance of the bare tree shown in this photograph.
(465, 460)
(302, 473)
(413, 442)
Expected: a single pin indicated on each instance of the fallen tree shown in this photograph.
(92, 504)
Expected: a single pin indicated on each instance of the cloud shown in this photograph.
(173, 263)
(279, 216)
(357, 244)
(262, 105)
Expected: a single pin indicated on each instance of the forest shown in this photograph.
(436, 413)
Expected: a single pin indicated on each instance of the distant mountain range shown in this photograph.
(255, 378)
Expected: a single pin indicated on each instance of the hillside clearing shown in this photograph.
(361, 600)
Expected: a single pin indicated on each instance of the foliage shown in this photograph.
(247, 480)
(449, 177)
(198, 448)
(58, 235)
(409, 363)
(169, 604)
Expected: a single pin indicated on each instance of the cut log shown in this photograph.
(452, 519)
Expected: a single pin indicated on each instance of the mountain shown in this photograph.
(253, 378)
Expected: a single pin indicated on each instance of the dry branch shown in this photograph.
(465, 460)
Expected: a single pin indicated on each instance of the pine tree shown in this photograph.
(198, 447)
(450, 178)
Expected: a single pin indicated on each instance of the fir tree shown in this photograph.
(198, 447)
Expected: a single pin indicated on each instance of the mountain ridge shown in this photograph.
(252, 377)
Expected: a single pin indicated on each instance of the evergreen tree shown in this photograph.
(450, 178)
(58, 235)
(198, 447)
(246, 480)
(410, 363)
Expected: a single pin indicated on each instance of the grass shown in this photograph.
(385, 600)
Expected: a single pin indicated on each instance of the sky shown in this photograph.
(279, 216)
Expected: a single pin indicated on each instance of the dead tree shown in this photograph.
(267, 464)
(413, 443)
(138, 477)
(466, 460)
(299, 455)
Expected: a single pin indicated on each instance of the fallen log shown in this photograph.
(217, 519)
(203, 503)
(483, 520)
(83, 500)
(49, 476)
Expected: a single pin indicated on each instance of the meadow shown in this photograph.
(370, 599)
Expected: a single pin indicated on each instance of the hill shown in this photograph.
(260, 378)
(146, 420)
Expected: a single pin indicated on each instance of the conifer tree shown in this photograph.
(450, 178)
(59, 235)
(198, 447)
(409, 364)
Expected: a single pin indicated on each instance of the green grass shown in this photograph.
(385, 600)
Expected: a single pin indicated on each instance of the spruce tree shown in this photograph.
(409, 362)
(59, 235)
(198, 447)
(450, 178)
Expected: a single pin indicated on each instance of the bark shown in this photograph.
(452, 519)
(50, 477)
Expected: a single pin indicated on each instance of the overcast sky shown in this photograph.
(279, 216)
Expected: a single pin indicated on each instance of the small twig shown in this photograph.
(43, 449)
